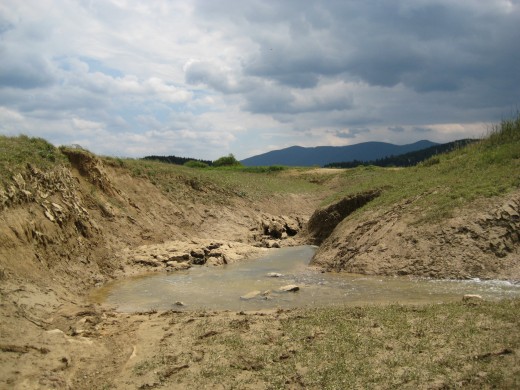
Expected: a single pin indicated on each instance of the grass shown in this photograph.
(438, 186)
(450, 345)
(445, 182)
(17, 152)
(219, 184)
(409, 347)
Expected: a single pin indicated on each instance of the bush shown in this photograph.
(227, 161)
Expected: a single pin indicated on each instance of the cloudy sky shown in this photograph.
(207, 78)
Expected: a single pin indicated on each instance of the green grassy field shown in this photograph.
(443, 183)
(434, 346)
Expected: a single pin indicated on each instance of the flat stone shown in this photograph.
(274, 275)
(289, 288)
(250, 295)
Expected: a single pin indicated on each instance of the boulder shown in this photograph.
(179, 257)
(272, 244)
(199, 260)
(276, 229)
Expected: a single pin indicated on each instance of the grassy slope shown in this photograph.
(243, 182)
(17, 152)
(485, 169)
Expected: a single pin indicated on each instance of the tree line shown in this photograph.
(406, 159)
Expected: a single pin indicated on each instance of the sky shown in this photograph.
(205, 78)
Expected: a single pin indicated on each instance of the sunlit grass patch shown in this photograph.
(17, 152)
(442, 184)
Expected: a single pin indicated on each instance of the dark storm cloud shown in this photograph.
(257, 73)
(427, 46)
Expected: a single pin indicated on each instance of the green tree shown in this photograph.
(227, 161)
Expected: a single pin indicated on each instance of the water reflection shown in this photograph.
(220, 288)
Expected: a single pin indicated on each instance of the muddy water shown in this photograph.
(221, 288)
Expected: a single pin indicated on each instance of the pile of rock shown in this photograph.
(272, 230)
(178, 255)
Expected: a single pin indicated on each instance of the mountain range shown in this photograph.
(323, 155)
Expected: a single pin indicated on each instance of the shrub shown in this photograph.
(227, 161)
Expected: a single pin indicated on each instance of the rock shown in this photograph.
(272, 244)
(214, 253)
(49, 215)
(471, 298)
(197, 253)
(161, 258)
(289, 288)
(276, 229)
(147, 262)
(177, 266)
(251, 295)
(292, 226)
(179, 257)
(215, 261)
(199, 260)
(179, 303)
(274, 275)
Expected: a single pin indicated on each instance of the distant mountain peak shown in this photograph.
(323, 155)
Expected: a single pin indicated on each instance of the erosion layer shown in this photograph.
(79, 221)
(482, 241)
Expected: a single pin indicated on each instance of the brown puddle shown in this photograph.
(221, 288)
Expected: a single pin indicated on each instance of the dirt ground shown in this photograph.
(62, 233)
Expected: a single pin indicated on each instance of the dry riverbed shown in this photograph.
(472, 344)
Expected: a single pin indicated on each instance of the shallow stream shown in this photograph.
(221, 288)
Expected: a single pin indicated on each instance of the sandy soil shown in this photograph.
(64, 232)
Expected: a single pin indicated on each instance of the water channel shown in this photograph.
(221, 288)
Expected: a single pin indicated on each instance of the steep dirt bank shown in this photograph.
(481, 241)
(77, 224)
(66, 230)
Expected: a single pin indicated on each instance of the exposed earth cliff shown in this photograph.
(482, 241)
(76, 221)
